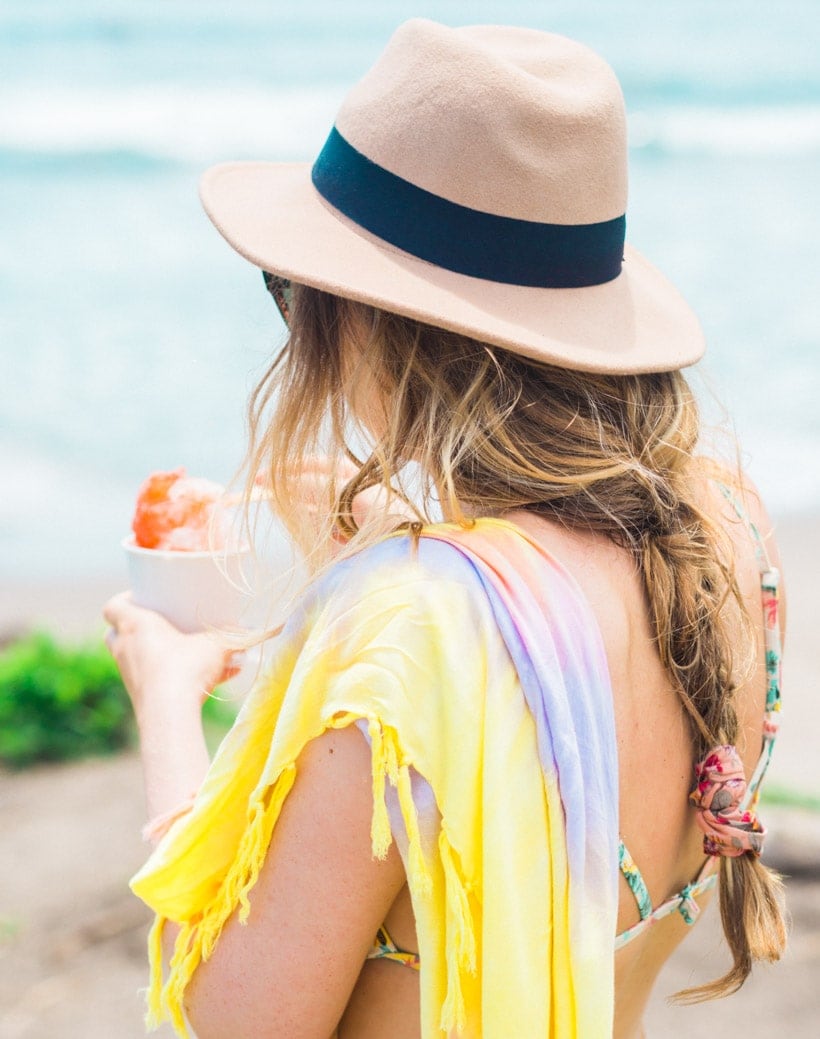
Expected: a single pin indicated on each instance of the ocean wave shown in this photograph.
(763, 130)
(166, 123)
(148, 126)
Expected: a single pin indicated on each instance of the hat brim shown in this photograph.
(272, 215)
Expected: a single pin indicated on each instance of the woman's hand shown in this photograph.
(155, 659)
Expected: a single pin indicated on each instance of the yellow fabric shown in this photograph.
(419, 656)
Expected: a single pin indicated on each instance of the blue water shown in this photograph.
(130, 335)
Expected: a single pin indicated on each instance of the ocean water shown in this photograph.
(130, 335)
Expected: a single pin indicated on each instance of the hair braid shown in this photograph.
(689, 583)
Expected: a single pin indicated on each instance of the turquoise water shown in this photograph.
(130, 335)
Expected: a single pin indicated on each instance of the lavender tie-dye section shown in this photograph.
(556, 647)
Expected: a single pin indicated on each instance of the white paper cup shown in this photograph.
(195, 590)
(245, 588)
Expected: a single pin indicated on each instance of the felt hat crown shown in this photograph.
(475, 179)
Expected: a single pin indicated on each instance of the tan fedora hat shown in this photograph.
(476, 180)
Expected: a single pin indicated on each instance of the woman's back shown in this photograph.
(656, 756)
(656, 759)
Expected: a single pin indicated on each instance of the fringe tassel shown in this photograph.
(154, 1011)
(185, 960)
(198, 937)
(418, 873)
(384, 766)
(259, 833)
(460, 948)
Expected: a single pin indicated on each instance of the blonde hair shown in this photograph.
(489, 431)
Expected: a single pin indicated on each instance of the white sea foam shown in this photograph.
(205, 124)
(765, 130)
(185, 124)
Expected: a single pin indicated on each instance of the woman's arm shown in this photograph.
(315, 909)
(168, 675)
(320, 897)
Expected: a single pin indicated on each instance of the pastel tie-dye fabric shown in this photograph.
(474, 662)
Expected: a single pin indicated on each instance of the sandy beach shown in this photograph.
(72, 959)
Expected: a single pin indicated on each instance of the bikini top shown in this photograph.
(684, 901)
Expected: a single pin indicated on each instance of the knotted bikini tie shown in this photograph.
(720, 789)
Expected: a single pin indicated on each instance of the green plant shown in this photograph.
(59, 702)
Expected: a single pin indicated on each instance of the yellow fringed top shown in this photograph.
(423, 641)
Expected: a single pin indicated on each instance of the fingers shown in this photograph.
(122, 613)
(114, 612)
(125, 617)
(118, 608)
(323, 465)
(232, 660)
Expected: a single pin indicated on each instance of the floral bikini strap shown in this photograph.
(725, 802)
(770, 594)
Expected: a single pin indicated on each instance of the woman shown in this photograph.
(467, 724)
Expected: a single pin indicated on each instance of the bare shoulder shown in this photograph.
(606, 573)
